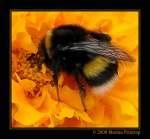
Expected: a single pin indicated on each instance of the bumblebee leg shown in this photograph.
(55, 79)
(82, 91)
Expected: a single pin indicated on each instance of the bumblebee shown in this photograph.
(89, 56)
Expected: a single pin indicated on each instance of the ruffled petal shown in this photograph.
(27, 115)
(118, 108)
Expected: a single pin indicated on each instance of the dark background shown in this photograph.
(7, 5)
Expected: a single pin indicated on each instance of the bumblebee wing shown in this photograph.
(105, 49)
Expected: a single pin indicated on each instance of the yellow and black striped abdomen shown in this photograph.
(99, 70)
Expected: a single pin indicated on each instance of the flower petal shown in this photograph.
(27, 115)
(23, 40)
(27, 84)
(18, 95)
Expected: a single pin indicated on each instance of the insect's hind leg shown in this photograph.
(55, 80)
(82, 91)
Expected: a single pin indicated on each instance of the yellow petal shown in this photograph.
(27, 84)
(64, 112)
(97, 114)
(55, 121)
(126, 107)
(49, 105)
(14, 62)
(38, 100)
(14, 109)
(18, 23)
(83, 115)
(23, 40)
(27, 115)
(18, 95)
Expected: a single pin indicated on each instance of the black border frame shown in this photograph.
(6, 5)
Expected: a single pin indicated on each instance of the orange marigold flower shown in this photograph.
(34, 99)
